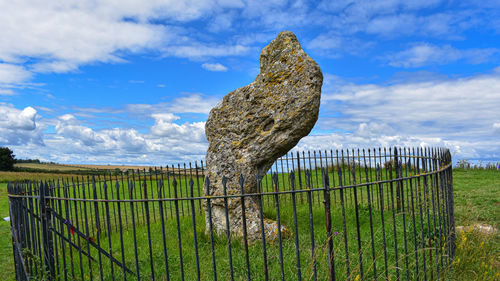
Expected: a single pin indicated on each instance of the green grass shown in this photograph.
(6, 260)
(477, 196)
(477, 200)
(255, 249)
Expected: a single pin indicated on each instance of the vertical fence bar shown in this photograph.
(433, 200)
(179, 238)
(61, 227)
(421, 203)
(278, 220)
(299, 176)
(210, 226)
(148, 227)
(186, 186)
(197, 184)
(399, 186)
(410, 183)
(244, 223)
(228, 230)
(97, 226)
(297, 248)
(131, 187)
(344, 227)
(328, 224)
(195, 236)
(78, 223)
(26, 225)
(169, 193)
(53, 229)
(262, 230)
(48, 250)
(33, 224)
(108, 224)
(316, 171)
(311, 222)
(179, 184)
(356, 210)
(369, 197)
(67, 212)
(118, 207)
(164, 239)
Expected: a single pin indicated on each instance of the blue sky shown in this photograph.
(132, 82)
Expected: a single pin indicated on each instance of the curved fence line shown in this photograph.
(346, 215)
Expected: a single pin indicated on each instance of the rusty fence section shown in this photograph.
(374, 214)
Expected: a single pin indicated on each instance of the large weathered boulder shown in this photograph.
(256, 124)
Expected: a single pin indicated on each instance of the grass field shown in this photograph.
(477, 196)
(77, 167)
(50, 167)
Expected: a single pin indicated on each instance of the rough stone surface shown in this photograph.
(256, 124)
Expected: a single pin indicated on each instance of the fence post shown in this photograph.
(48, 250)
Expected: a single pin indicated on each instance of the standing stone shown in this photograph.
(255, 125)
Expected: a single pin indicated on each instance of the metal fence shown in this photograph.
(381, 214)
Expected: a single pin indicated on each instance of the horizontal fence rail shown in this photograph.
(376, 214)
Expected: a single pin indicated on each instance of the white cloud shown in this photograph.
(186, 103)
(424, 54)
(19, 126)
(496, 127)
(396, 18)
(62, 36)
(71, 31)
(373, 129)
(197, 50)
(194, 103)
(458, 112)
(6, 92)
(76, 142)
(68, 127)
(335, 44)
(55, 37)
(11, 118)
(164, 127)
(222, 22)
(13, 74)
(447, 25)
(214, 67)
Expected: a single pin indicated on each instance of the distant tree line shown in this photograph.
(37, 161)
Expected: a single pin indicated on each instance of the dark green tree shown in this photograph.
(7, 159)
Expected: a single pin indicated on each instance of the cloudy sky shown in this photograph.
(133, 81)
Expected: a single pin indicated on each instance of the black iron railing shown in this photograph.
(381, 214)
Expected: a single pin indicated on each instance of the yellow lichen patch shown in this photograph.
(299, 68)
(265, 133)
(236, 143)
